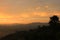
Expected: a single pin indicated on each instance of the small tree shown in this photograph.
(54, 20)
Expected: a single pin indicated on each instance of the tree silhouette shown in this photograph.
(54, 20)
(54, 23)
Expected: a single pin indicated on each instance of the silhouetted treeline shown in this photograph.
(51, 32)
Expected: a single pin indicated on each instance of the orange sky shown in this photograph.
(27, 11)
(26, 18)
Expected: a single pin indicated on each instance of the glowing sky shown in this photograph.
(27, 11)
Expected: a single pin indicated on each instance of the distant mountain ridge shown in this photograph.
(7, 29)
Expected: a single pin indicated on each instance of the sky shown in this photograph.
(27, 11)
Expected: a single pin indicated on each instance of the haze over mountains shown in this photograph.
(12, 28)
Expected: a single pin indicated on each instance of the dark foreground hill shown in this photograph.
(12, 28)
(51, 32)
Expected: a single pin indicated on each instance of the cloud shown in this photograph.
(37, 8)
(40, 14)
(46, 7)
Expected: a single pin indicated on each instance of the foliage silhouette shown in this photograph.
(54, 20)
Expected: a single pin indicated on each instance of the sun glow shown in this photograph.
(25, 18)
